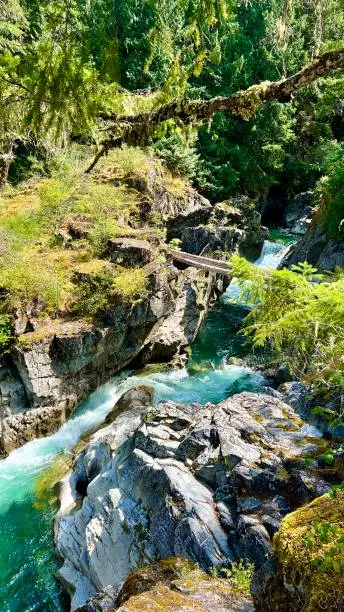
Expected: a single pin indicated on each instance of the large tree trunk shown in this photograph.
(137, 130)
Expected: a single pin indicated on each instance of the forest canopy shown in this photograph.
(66, 65)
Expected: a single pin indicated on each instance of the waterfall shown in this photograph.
(271, 255)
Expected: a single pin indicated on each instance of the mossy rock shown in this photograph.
(309, 561)
(178, 584)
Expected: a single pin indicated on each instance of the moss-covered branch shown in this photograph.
(137, 130)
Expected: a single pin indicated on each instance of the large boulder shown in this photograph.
(298, 214)
(234, 225)
(179, 329)
(128, 252)
(319, 250)
(307, 571)
(210, 483)
(170, 585)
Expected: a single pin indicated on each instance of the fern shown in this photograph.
(302, 320)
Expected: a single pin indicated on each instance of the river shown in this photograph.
(27, 560)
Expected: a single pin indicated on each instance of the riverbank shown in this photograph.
(208, 379)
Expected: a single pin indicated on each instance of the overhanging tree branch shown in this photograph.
(137, 130)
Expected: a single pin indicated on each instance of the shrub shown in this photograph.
(131, 285)
(5, 333)
(304, 321)
(330, 190)
(28, 276)
(240, 576)
(103, 230)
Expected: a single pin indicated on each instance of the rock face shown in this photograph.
(211, 484)
(233, 225)
(62, 363)
(129, 252)
(172, 584)
(306, 572)
(178, 207)
(298, 215)
(318, 408)
(322, 252)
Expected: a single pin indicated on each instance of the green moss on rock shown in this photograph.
(309, 560)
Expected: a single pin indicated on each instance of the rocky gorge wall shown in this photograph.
(56, 362)
(63, 362)
(317, 249)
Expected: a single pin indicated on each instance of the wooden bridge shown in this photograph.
(203, 263)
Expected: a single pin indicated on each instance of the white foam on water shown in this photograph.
(271, 255)
(269, 259)
(19, 470)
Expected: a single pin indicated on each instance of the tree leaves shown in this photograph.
(303, 321)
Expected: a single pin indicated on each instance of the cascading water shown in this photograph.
(271, 255)
(27, 561)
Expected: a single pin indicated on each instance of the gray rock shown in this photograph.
(96, 458)
(298, 215)
(234, 225)
(67, 361)
(304, 487)
(255, 543)
(319, 250)
(23, 427)
(128, 252)
(167, 489)
(295, 394)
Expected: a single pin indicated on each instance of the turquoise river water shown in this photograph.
(27, 560)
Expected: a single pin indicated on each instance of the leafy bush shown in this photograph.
(303, 321)
(330, 191)
(131, 285)
(5, 332)
(239, 575)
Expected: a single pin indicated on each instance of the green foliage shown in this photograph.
(131, 285)
(336, 490)
(302, 320)
(25, 281)
(180, 154)
(330, 191)
(5, 333)
(325, 543)
(107, 287)
(175, 244)
(12, 26)
(240, 576)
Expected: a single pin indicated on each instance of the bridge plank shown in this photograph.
(203, 263)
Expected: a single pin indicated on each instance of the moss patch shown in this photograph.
(310, 550)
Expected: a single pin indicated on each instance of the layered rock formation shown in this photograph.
(234, 225)
(61, 363)
(208, 483)
(319, 250)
